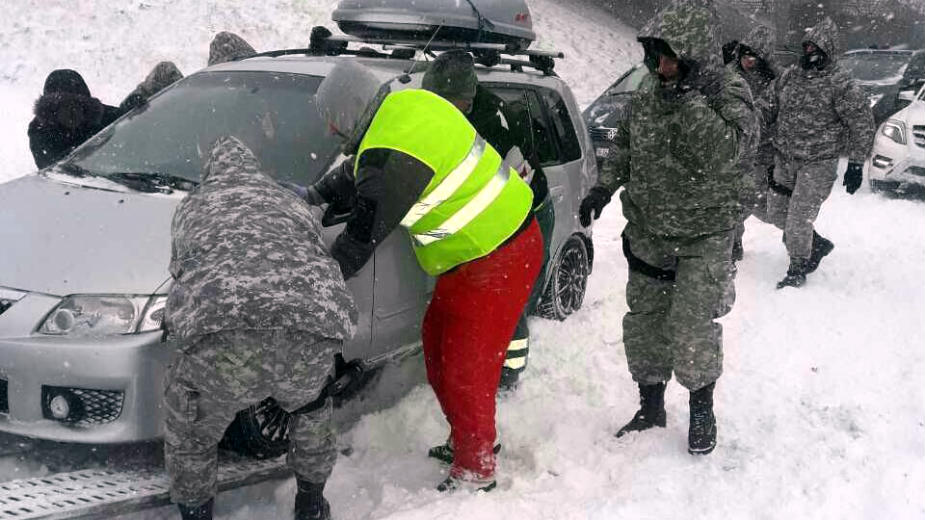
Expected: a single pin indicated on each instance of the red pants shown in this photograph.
(466, 332)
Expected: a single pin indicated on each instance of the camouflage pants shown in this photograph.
(216, 375)
(809, 184)
(756, 201)
(670, 325)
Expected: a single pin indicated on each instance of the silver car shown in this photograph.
(85, 243)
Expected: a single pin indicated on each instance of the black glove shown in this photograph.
(853, 176)
(595, 201)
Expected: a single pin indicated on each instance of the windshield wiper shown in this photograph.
(70, 168)
(152, 182)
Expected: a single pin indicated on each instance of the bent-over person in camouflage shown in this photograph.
(258, 309)
(677, 157)
(821, 114)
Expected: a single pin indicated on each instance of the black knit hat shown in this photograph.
(66, 80)
(452, 76)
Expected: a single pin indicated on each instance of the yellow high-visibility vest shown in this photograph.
(473, 203)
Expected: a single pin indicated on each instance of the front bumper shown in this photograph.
(896, 163)
(33, 366)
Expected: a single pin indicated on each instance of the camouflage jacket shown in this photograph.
(822, 114)
(248, 255)
(678, 151)
(761, 41)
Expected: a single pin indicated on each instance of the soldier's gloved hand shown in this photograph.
(595, 201)
(853, 176)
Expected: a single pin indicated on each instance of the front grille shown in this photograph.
(4, 396)
(918, 135)
(88, 407)
(602, 133)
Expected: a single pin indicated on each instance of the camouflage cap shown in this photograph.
(452, 76)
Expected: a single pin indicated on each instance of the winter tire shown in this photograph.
(568, 280)
(260, 431)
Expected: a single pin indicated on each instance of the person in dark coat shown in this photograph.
(66, 115)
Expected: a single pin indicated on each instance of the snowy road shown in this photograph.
(821, 408)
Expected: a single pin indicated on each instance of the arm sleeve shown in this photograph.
(615, 170)
(388, 183)
(338, 185)
(854, 110)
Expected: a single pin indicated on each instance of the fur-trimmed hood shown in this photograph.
(70, 111)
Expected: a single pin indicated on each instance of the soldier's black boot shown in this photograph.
(310, 503)
(203, 512)
(821, 247)
(796, 274)
(701, 436)
(651, 410)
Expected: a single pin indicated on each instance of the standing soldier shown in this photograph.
(819, 109)
(259, 309)
(755, 62)
(420, 164)
(452, 76)
(676, 155)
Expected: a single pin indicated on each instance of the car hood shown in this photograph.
(61, 238)
(914, 114)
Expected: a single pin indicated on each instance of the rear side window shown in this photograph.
(563, 129)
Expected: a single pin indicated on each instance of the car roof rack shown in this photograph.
(323, 43)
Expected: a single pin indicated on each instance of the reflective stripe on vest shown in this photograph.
(473, 203)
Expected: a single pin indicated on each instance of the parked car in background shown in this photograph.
(898, 158)
(86, 242)
(876, 70)
(898, 96)
(603, 115)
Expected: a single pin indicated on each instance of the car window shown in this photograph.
(875, 66)
(629, 82)
(543, 139)
(273, 113)
(517, 114)
(567, 139)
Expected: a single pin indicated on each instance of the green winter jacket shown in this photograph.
(677, 153)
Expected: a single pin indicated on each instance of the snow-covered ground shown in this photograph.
(821, 408)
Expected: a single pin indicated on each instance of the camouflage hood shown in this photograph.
(689, 29)
(825, 36)
(229, 155)
(761, 40)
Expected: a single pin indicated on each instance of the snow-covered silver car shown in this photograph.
(85, 243)
(898, 158)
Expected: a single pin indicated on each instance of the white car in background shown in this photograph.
(898, 159)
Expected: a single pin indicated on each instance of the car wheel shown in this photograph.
(260, 431)
(565, 290)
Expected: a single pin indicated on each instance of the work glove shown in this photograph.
(298, 189)
(853, 176)
(595, 201)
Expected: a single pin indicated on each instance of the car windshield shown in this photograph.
(274, 113)
(875, 67)
(630, 82)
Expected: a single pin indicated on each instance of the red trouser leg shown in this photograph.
(466, 332)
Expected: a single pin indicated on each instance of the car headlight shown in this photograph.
(104, 315)
(895, 130)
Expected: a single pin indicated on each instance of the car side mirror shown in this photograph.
(335, 215)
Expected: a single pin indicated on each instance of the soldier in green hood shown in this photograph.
(677, 157)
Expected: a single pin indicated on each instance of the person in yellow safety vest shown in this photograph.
(452, 76)
(422, 166)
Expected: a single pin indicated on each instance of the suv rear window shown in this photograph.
(544, 113)
(273, 113)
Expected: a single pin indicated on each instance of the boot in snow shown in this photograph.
(444, 452)
(701, 436)
(453, 484)
(738, 252)
(203, 512)
(651, 410)
(821, 247)
(796, 274)
(310, 503)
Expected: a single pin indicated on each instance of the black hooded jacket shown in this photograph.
(66, 115)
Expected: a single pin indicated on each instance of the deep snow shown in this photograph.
(821, 408)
